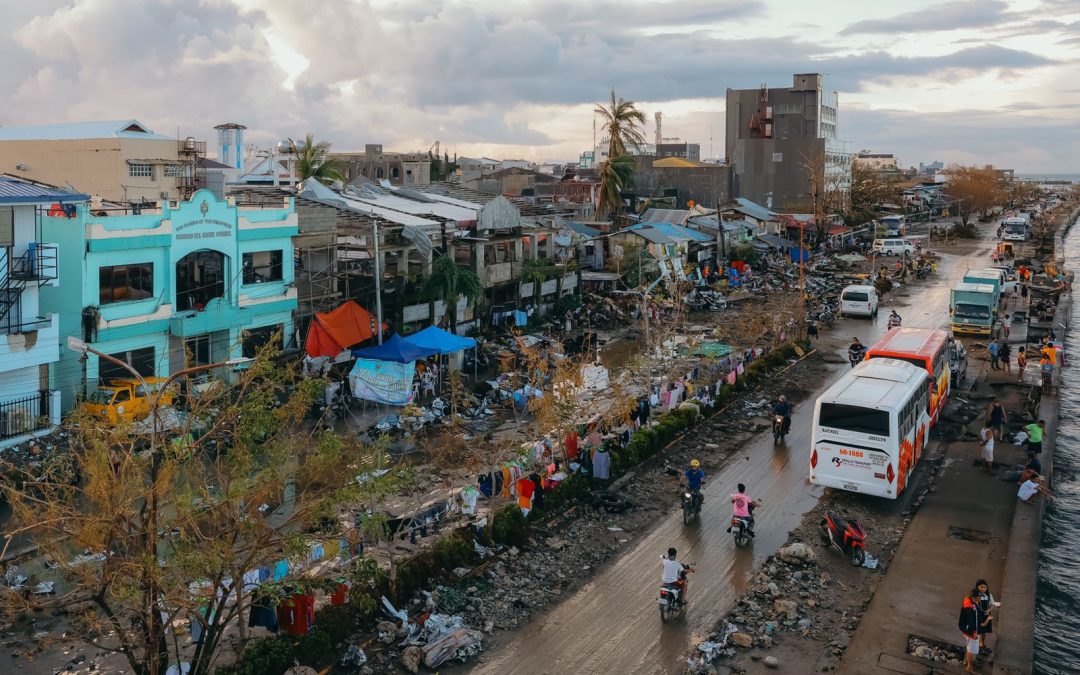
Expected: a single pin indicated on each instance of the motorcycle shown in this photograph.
(780, 428)
(894, 321)
(691, 505)
(672, 601)
(856, 356)
(741, 531)
(846, 536)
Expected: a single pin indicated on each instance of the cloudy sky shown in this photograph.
(956, 81)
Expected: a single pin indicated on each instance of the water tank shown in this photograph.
(189, 144)
(284, 148)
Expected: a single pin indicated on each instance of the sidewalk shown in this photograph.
(961, 534)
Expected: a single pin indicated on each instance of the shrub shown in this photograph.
(316, 649)
(508, 527)
(265, 656)
(883, 286)
(337, 622)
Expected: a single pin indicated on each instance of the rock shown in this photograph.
(513, 551)
(461, 572)
(924, 652)
(797, 576)
(811, 603)
(797, 553)
(773, 589)
(805, 623)
(411, 658)
(787, 608)
(556, 544)
(771, 662)
(744, 640)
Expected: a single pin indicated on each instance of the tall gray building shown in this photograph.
(777, 139)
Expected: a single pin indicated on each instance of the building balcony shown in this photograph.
(31, 342)
(217, 315)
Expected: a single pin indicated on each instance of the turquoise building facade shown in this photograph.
(188, 283)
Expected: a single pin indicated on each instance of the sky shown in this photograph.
(957, 81)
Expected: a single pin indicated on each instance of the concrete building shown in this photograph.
(121, 161)
(884, 162)
(773, 135)
(683, 180)
(30, 348)
(400, 168)
(191, 282)
(673, 147)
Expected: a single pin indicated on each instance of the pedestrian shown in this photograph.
(1021, 362)
(1006, 326)
(994, 349)
(996, 417)
(1036, 431)
(970, 621)
(1005, 354)
(1046, 373)
(986, 448)
(1016, 293)
(987, 604)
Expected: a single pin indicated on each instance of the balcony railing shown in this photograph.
(25, 415)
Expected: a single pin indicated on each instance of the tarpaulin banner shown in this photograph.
(382, 381)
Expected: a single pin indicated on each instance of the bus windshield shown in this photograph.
(1015, 228)
(966, 311)
(854, 418)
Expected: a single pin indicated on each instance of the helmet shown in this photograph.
(694, 463)
(783, 398)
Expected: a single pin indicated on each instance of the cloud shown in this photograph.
(943, 17)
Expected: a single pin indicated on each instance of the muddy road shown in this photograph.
(612, 625)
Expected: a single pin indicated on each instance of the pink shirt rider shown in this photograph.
(740, 505)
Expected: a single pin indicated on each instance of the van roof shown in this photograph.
(893, 240)
(859, 287)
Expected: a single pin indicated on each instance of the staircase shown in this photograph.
(37, 265)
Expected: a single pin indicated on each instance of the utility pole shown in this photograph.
(720, 231)
(378, 281)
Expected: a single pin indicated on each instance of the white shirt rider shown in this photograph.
(672, 570)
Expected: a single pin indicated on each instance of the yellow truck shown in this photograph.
(128, 399)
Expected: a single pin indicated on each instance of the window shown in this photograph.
(141, 360)
(854, 418)
(173, 170)
(256, 338)
(120, 283)
(141, 170)
(7, 226)
(262, 266)
(197, 350)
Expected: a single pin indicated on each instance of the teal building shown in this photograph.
(162, 289)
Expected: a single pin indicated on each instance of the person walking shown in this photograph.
(996, 418)
(987, 605)
(1035, 432)
(1006, 326)
(1005, 354)
(986, 449)
(1021, 362)
(970, 620)
(994, 349)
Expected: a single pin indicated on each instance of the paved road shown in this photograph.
(611, 624)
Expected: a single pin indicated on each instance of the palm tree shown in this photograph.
(616, 175)
(622, 124)
(450, 281)
(312, 161)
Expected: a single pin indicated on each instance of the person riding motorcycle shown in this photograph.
(856, 351)
(894, 319)
(783, 408)
(695, 478)
(742, 507)
(672, 574)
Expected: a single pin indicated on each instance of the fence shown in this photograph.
(24, 415)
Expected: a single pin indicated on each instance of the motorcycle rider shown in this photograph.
(783, 408)
(695, 478)
(856, 351)
(742, 507)
(894, 319)
(673, 573)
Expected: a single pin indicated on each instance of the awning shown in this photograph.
(395, 349)
(444, 341)
(332, 332)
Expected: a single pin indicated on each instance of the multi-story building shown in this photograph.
(29, 348)
(399, 168)
(673, 147)
(120, 161)
(876, 161)
(188, 283)
(783, 144)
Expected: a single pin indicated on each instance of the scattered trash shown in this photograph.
(870, 562)
(354, 656)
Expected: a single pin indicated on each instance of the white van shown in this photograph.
(893, 246)
(859, 301)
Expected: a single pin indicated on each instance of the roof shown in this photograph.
(709, 222)
(879, 383)
(754, 210)
(969, 287)
(921, 341)
(583, 230)
(79, 130)
(16, 191)
(207, 163)
(591, 275)
(773, 240)
(678, 163)
(677, 216)
(678, 232)
(650, 234)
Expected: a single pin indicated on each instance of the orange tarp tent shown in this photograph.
(332, 332)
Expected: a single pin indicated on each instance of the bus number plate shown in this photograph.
(852, 487)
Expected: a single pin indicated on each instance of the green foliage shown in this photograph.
(450, 281)
(312, 161)
(565, 304)
(316, 649)
(575, 488)
(638, 265)
(264, 656)
(337, 622)
(746, 253)
(508, 526)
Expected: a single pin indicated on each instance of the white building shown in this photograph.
(31, 341)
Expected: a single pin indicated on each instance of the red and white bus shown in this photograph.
(924, 348)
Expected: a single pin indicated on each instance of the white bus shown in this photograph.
(870, 428)
(1014, 229)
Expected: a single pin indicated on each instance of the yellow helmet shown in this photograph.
(694, 463)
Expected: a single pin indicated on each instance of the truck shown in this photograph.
(972, 308)
(127, 399)
(991, 277)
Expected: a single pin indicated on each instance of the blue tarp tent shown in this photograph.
(444, 341)
(395, 349)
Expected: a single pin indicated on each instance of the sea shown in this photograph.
(1057, 609)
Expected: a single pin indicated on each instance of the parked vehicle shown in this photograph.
(859, 300)
(972, 307)
(846, 536)
(672, 596)
(924, 348)
(893, 247)
(127, 399)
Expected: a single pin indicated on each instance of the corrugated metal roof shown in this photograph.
(15, 191)
(583, 230)
(67, 131)
(754, 210)
(676, 216)
(652, 235)
(677, 232)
